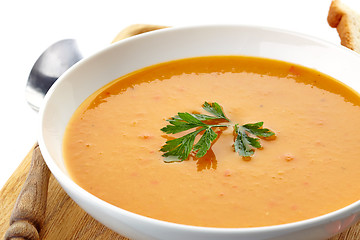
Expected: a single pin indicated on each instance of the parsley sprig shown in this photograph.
(179, 149)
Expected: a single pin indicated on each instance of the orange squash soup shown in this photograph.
(112, 143)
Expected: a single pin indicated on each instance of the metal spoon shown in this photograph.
(28, 215)
(54, 61)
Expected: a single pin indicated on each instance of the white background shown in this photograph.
(29, 27)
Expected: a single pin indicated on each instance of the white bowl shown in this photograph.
(174, 43)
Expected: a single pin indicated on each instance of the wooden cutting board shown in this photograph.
(64, 219)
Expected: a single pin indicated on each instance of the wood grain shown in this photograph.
(27, 217)
(136, 29)
(64, 219)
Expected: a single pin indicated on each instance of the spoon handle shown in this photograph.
(28, 214)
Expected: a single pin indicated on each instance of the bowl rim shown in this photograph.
(346, 211)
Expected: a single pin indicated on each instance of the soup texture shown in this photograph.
(112, 143)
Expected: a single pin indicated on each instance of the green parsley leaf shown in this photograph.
(257, 130)
(215, 109)
(212, 108)
(204, 144)
(182, 122)
(244, 144)
(179, 149)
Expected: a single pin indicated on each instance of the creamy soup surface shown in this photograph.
(112, 142)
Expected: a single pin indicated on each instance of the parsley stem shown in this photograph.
(212, 126)
(247, 137)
